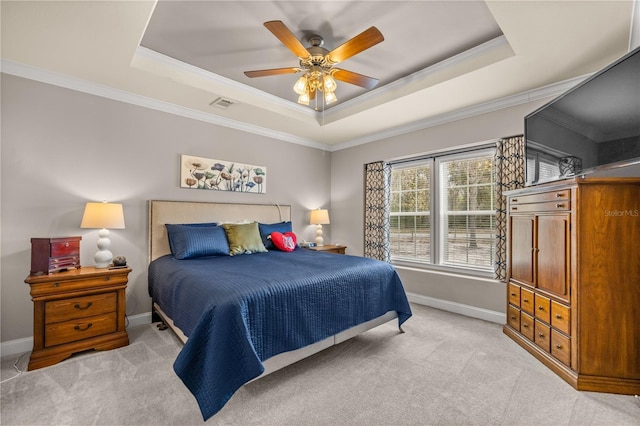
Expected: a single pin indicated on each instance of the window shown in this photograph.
(442, 211)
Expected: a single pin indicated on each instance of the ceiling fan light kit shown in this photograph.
(317, 63)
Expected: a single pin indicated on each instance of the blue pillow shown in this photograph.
(189, 241)
(267, 228)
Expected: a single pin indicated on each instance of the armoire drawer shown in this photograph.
(514, 294)
(527, 300)
(543, 308)
(513, 317)
(527, 326)
(542, 336)
(550, 206)
(561, 317)
(561, 347)
(561, 195)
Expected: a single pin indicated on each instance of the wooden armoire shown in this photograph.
(573, 279)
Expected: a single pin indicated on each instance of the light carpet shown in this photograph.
(446, 369)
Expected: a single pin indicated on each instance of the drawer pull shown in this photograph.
(77, 327)
(558, 316)
(107, 278)
(66, 244)
(77, 306)
(559, 205)
(541, 308)
(513, 294)
(558, 346)
(541, 334)
(559, 195)
(514, 208)
(525, 325)
(515, 200)
(513, 317)
(56, 285)
(525, 300)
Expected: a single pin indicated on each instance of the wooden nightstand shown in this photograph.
(75, 311)
(329, 248)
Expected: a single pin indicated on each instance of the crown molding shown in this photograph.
(484, 54)
(73, 83)
(554, 89)
(188, 74)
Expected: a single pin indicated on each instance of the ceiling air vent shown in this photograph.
(222, 103)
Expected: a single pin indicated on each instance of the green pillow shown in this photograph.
(243, 238)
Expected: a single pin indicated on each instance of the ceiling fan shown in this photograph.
(317, 63)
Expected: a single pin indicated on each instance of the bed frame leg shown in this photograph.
(155, 317)
(400, 328)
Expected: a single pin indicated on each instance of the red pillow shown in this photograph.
(284, 242)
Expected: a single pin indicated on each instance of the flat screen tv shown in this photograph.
(593, 126)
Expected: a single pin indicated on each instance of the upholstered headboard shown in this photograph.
(163, 212)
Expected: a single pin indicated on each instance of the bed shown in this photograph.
(243, 316)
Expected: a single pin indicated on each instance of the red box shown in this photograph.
(54, 254)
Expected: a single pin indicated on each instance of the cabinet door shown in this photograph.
(522, 249)
(553, 254)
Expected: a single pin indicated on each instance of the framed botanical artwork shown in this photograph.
(221, 175)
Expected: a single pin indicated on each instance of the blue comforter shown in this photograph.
(241, 310)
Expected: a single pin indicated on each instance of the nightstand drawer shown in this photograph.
(71, 331)
(79, 307)
(65, 284)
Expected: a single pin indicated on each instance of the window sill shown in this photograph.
(451, 270)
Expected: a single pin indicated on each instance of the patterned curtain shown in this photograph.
(376, 210)
(510, 174)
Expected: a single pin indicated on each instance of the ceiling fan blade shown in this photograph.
(273, 71)
(362, 41)
(287, 38)
(354, 78)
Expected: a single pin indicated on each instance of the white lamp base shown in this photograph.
(103, 256)
(319, 239)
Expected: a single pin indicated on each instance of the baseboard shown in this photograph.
(458, 308)
(18, 346)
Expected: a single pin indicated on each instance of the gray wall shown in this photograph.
(62, 148)
(347, 197)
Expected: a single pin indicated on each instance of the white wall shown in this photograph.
(62, 148)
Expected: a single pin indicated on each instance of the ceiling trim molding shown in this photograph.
(158, 63)
(415, 81)
(554, 89)
(73, 83)
(183, 72)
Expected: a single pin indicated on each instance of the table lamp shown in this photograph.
(102, 216)
(319, 217)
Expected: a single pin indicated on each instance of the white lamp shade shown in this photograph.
(319, 217)
(103, 215)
